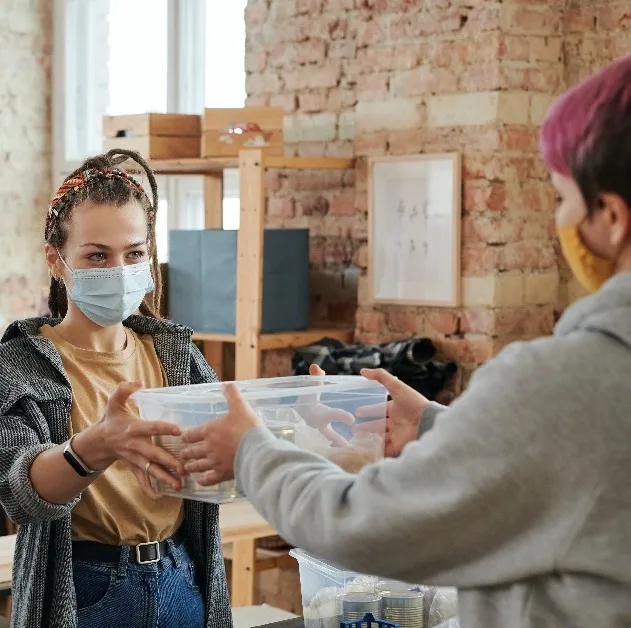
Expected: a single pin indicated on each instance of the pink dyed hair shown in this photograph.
(587, 132)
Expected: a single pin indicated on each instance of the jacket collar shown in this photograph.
(171, 342)
(140, 324)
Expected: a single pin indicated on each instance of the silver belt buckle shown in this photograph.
(156, 545)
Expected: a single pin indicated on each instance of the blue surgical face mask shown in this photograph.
(107, 296)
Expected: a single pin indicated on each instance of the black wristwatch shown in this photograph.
(75, 462)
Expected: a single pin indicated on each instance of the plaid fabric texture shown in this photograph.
(412, 361)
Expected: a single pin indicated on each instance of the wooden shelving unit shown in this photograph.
(252, 164)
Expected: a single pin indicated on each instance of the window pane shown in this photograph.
(84, 91)
(137, 30)
(231, 213)
(225, 53)
(104, 44)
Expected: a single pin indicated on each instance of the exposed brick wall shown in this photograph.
(25, 147)
(596, 32)
(376, 77)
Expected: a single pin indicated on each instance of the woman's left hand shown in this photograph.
(213, 447)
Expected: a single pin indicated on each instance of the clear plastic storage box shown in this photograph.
(320, 414)
(331, 595)
(322, 585)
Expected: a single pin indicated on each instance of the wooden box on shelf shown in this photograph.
(155, 135)
(228, 131)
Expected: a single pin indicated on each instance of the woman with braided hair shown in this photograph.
(96, 545)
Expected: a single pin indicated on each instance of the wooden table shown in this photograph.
(240, 526)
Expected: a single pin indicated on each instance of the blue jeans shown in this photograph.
(129, 595)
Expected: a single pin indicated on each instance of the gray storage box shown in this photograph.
(203, 280)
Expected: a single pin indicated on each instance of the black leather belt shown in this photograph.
(143, 554)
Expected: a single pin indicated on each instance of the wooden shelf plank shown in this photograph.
(194, 166)
(204, 337)
(285, 339)
(239, 520)
(308, 163)
(295, 339)
(265, 559)
(217, 164)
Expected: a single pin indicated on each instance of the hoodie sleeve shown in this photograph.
(429, 417)
(490, 494)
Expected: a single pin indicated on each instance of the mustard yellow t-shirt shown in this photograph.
(113, 509)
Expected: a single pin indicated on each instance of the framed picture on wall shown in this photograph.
(414, 221)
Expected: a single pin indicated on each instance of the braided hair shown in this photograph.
(101, 181)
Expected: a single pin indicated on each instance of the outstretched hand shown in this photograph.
(320, 417)
(124, 436)
(212, 448)
(403, 412)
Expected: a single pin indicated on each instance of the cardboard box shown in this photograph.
(228, 131)
(155, 135)
(203, 280)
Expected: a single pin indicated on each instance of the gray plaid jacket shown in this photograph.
(35, 400)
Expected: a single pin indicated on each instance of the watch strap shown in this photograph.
(75, 462)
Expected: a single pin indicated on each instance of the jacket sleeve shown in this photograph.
(491, 494)
(201, 371)
(19, 446)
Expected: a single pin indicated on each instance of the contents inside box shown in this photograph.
(332, 595)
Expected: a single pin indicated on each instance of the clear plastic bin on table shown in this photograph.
(331, 595)
(316, 413)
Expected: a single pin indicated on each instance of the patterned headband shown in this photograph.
(68, 191)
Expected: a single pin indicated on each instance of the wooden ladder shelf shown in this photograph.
(249, 341)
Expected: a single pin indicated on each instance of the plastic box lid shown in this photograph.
(268, 389)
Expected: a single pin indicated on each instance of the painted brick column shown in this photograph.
(25, 155)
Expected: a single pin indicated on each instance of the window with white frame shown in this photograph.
(137, 53)
(115, 57)
(225, 80)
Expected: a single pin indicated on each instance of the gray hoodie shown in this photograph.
(519, 494)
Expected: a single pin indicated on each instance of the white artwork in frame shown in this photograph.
(414, 217)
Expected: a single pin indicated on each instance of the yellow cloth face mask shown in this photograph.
(590, 270)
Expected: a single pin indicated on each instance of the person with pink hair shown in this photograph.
(519, 493)
(586, 144)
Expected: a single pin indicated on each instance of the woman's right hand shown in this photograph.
(122, 435)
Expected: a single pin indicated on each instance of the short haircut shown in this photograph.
(587, 134)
